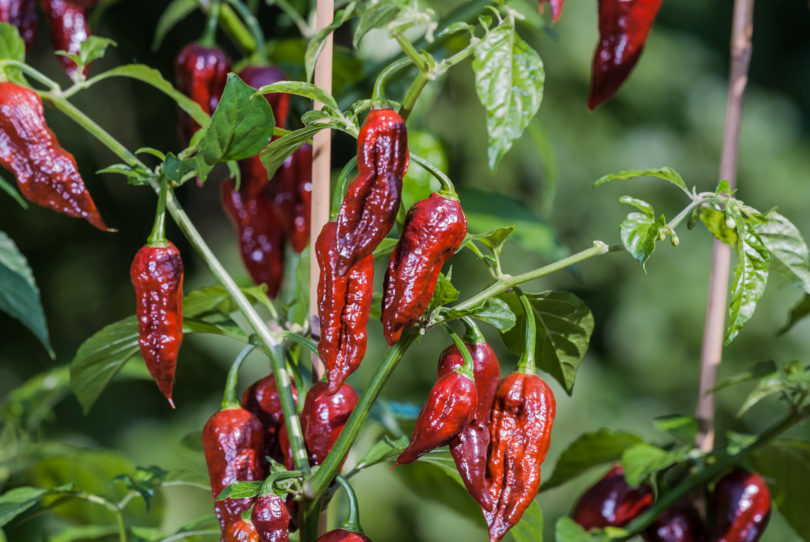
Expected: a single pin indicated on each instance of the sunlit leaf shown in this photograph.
(750, 278)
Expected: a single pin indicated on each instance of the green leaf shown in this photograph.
(665, 173)
(757, 371)
(797, 313)
(299, 88)
(135, 176)
(19, 295)
(495, 239)
(639, 233)
(567, 530)
(145, 481)
(384, 450)
(564, 327)
(175, 169)
(530, 526)
(750, 278)
(683, 428)
(316, 43)
(509, 82)
(642, 460)
(766, 386)
(787, 247)
(83, 533)
(176, 11)
(496, 313)
(241, 126)
(639, 204)
(715, 222)
(241, 490)
(385, 247)
(277, 151)
(375, 15)
(6, 187)
(445, 293)
(93, 48)
(587, 451)
(16, 501)
(12, 47)
(785, 463)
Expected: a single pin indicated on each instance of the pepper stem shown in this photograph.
(447, 190)
(208, 38)
(472, 335)
(260, 54)
(378, 92)
(468, 369)
(353, 522)
(526, 362)
(230, 399)
(157, 238)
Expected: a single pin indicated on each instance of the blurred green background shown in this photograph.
(644, 355)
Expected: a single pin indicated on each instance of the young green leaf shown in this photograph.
(12, 47)
(375, 15)
(276, 152)
(240, 490)
(715, 221)
(639, 204)
(299, 88)
(665, 173)
(750, 278)
(639, 233)
(787, 247)
(509, 80)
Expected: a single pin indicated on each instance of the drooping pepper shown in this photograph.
(200, 73)
(344, 303)
(233, 442)
(741, 504)
(292, 189)
(350, 531)
(46, 173)
(623, 29)
(271, 518)
(434, 228)
(23, 15)
(240, 530)
(469, 448)
(262, 400)
(520, 434)
(261, 239)
(69, 29)
(679, 523)
(556, 8)
(372, 200)
(611, 502)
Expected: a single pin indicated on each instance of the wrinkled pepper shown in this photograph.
(271, 518)
(240, 530)
(679, 523)
(556, 8)
(46, 173)
(434, 229)
(372, 200)
(344, 303)
(623, 29)
(741, 504)
(469, 448)
(23, 15)
(292, 189)
(262, 400)
(261, 239)
(233, 442)
(200, 73)
(611, 502)
(69, 29)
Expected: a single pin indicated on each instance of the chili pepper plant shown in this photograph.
(336, 283)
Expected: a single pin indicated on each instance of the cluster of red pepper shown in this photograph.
(740, 506)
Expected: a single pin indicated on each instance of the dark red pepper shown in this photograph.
(679, 523)
(741, 504)
(469, 448)
(240, 530)
(623, 29)
(556, 8)
(23, 15)
(292, 189)
(262, 400)
(611, 502)
(69, 29)
(344, 303)
(200, 73)
(261, 239)
(434, 229)
(372, 200)
(271, 518)
(342, 535)
(46, 173)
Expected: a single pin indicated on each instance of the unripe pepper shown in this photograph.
(611, 502)
(623, 29)
(69, 29)
(556, 8)
(679, 523)
(23, 15)
(469, 448)
(46, 173)
(292, 190)
(372, 200)
(233, 442)
(200, 73)
(262, 400)
(344, 303)
(240, 530)
(434, 229)
(271, 518)
(741, 504)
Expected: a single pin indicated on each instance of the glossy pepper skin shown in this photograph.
(69, 29)
(623, 29)
(46, 173)
(261, 239)
(450, 406)
(520, 434)
(611, 502)
(741, 504)
(434, 229)
(233, 441)
(240, 531)
(556, 8)
(469, 447)
(200, 73)
(342, 535)
(372, 200)
(157, 276)
(271, 519)
(292, 191)
(23, 15)
(261, 399)
(679, 523)
(344, 303)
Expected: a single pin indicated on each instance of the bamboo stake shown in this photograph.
(713, 331)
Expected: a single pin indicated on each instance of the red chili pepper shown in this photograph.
(342, 535)
(271, 518)
(372, 200)
(292, 189)
(69, 29)
(623, 29)
(556, 8)
(469, 448)
(261, 239)
(679, 523)
(46, 173)
(344, 303)
(262, 400)
(611, 502)
(240, 530)
(741, 504)
(200, 73)
(434, 228)
(23, 15)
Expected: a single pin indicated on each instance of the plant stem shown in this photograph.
(233, 26)
(378, 91)
(157, 238)
(254, 28)
(209, 37)
(31, 72)
(119, 516)
(526, 363)
(713, 330)
(409, 50)
(316, 485)
(413, 93)
(505, 283)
